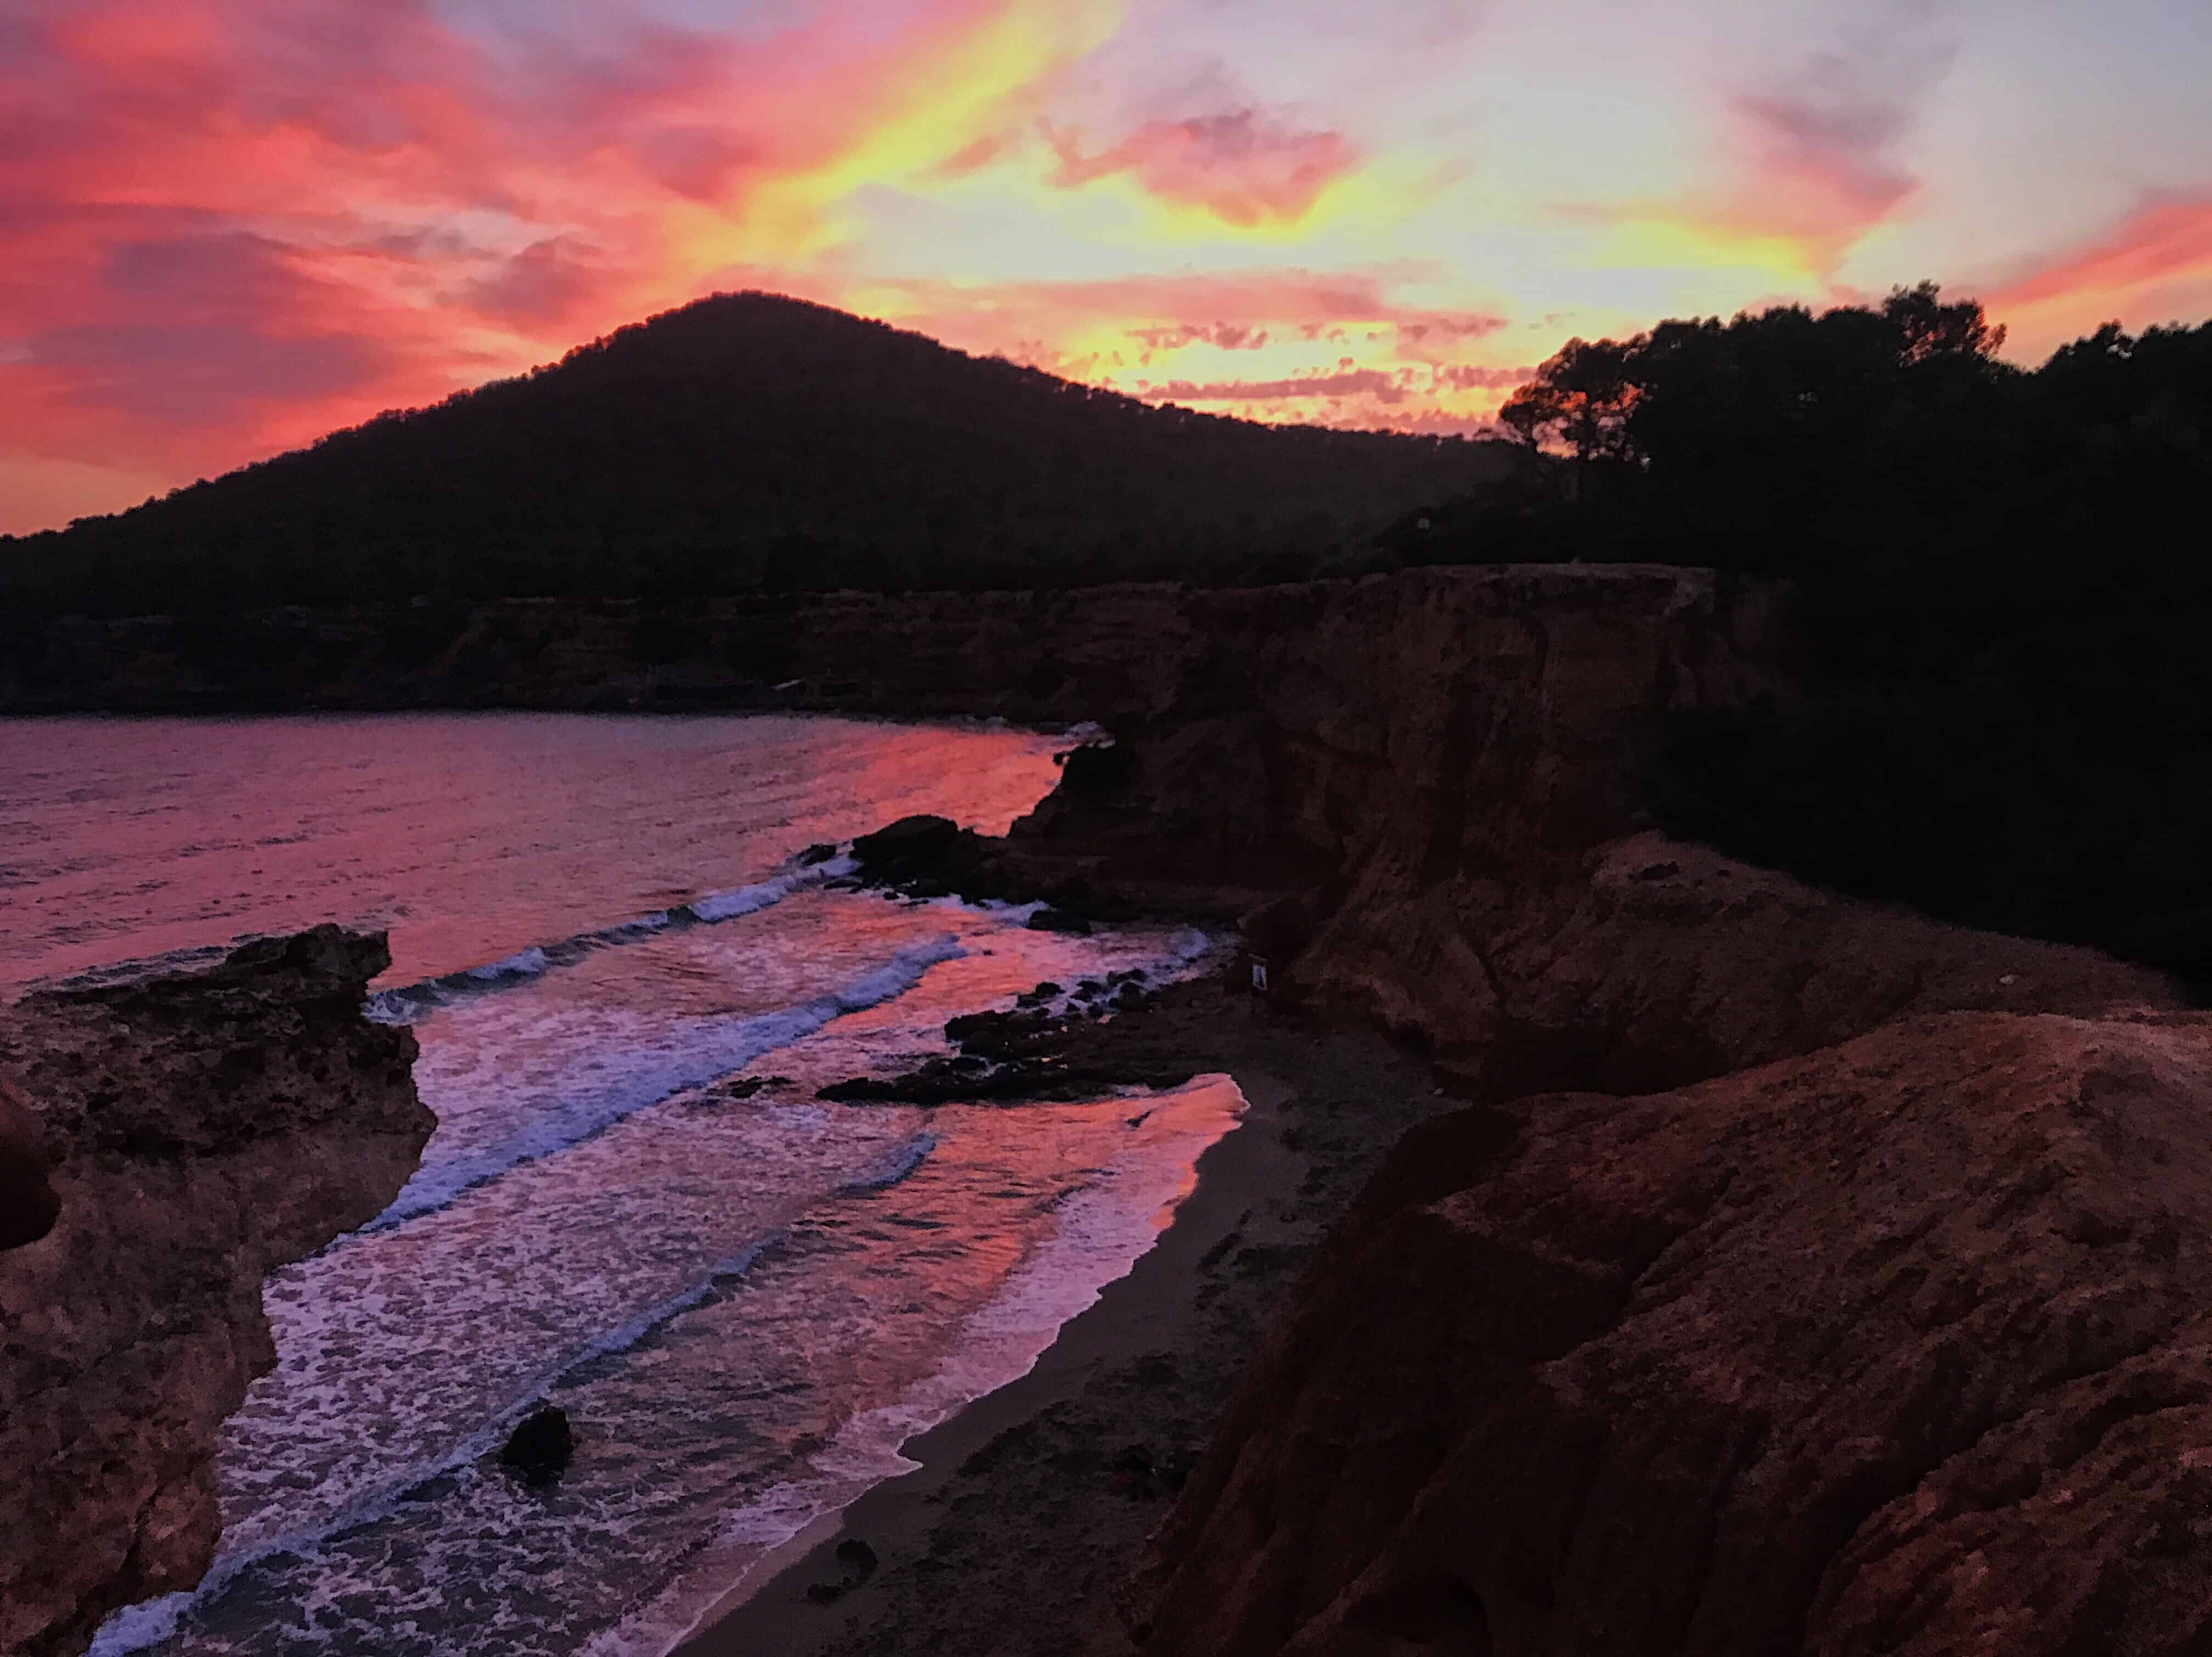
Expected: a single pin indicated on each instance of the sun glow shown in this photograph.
(230, 226)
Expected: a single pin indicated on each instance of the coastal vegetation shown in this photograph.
(2004, 592)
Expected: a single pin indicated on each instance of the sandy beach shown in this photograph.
(1030, 1503)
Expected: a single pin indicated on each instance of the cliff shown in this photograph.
(1846, 1303)
(1116, 653)
(1811, 1276)
(200, 1131)
(1898, 1346)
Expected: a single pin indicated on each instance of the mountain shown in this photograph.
(747, 442)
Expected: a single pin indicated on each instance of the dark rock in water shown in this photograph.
(909, 843)
(541, 1448)
(822, 851)
(1001, 1035)
(28, 1206)
(931, 857)
(1059, 920)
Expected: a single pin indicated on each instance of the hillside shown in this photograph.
(742, 442)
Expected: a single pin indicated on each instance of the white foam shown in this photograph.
(1103, 1230)
(524, 963)
(751, 900)
(630, 1077)
(136, 1627)
(406, 1002)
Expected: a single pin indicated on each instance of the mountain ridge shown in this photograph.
(751, 441)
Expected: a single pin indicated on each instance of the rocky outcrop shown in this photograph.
(1898, 1346)
(28, 1206)
(202, 1130)
(1847, 1303)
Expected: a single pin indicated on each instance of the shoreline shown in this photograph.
(1030, 1501)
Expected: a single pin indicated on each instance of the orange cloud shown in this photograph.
(2162, 245)
(227, 226)
(1242, 168)
(1814, 162)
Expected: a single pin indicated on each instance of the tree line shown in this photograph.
(2005, 590)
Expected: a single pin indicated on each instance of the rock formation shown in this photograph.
(1809, 1276)
(28, 1206)
(1901, 1346)
(203, 1130)
(1848, 1303)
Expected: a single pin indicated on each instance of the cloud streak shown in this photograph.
(2162, 243)
(1244, 168)
(229, 226)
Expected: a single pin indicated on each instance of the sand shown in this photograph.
(1031, 1502)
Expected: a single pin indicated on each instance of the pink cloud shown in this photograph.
(1242, 167)
(2163, 242)
(1222, 335)
(1381, 387)
(227, 226)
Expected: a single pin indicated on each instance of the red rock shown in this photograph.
(28, 1206)
(1899, 1346)
(205, 1129)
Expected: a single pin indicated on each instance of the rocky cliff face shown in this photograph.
(1897, 1346)
(1849, 1303)
(202, 1130)
(1810, 1276)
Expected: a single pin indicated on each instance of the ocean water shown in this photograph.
(745, 1298)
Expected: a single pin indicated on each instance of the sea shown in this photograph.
(628, 981)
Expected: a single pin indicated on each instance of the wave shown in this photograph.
(408, 1004)
(136, 1627)
(895, 1167)
(704, 1050)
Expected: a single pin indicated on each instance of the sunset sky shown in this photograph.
(227, 226)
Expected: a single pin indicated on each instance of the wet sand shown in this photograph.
(1030, 1503)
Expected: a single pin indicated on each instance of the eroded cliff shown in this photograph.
(1897, 1346)
(202, 1130)
(1850, 1303)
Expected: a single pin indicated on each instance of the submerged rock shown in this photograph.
(541, 1446)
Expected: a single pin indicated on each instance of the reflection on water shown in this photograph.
(745, 1298)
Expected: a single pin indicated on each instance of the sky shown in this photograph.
(229, 226)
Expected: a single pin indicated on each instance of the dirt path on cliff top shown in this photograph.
(1031, 1503)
